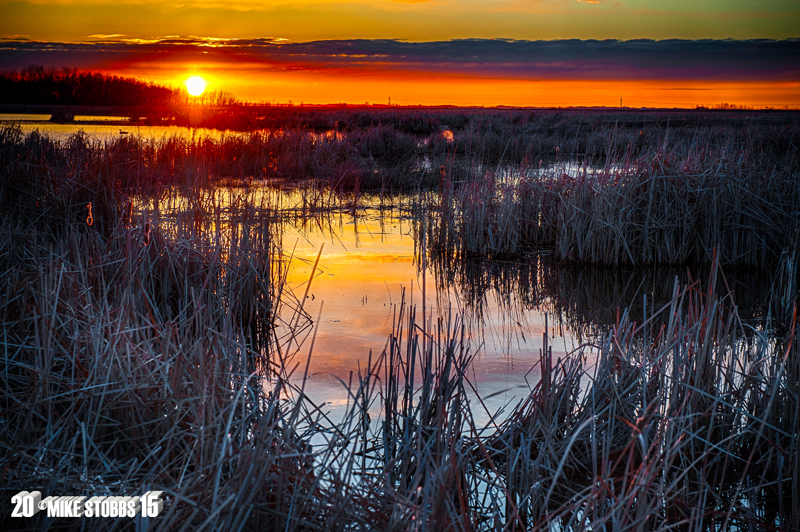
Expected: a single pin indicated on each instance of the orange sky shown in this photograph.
(541, 53)
(311, 88)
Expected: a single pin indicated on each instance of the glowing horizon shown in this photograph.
(563, 73)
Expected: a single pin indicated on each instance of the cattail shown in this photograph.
(129, 215)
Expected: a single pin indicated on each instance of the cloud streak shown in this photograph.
(635, 60)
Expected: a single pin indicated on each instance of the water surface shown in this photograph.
(105, 132)
(353, 266)
(366, 268)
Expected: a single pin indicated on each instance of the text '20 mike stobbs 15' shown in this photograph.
(28, 504)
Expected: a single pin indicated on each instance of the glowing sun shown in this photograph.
(195, 85)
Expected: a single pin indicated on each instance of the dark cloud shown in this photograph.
(642, 59)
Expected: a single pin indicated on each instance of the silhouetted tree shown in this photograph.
(38, 85)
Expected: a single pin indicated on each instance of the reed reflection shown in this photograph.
(586, 302)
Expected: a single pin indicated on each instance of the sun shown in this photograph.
(195, 85)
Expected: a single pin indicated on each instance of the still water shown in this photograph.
(353, 269)
(366, 267)
(104, 132)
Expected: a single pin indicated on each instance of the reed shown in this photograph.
(685, 420)
(676, 429)
(585, 300)
(135, 350)
(154, 348)
(404, 149)
(109, 389)
(632, 213)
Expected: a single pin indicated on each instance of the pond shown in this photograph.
(354, 269)
(368, 266)
(164, 325)
(353, 265)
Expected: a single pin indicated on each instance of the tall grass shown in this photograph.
(110, 388)
(405, 149)
(145, 351)
(135, 350)
(376, 158)
(691, 425)
(639, 212)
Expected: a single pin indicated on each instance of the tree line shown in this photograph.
(37, 85)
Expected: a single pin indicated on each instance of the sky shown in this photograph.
(647, 53)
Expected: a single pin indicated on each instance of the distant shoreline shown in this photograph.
(253, 117)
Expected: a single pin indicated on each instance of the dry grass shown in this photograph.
(145, 351)
(640, 213)
(691, 425)
(108, 389)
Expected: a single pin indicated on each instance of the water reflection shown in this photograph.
(95, 128)
(588, 301)
(24, 117)
(105, 132)
(366, 267)
(100, 118)
(351, 262)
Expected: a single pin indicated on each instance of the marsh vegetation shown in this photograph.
(150, 340)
